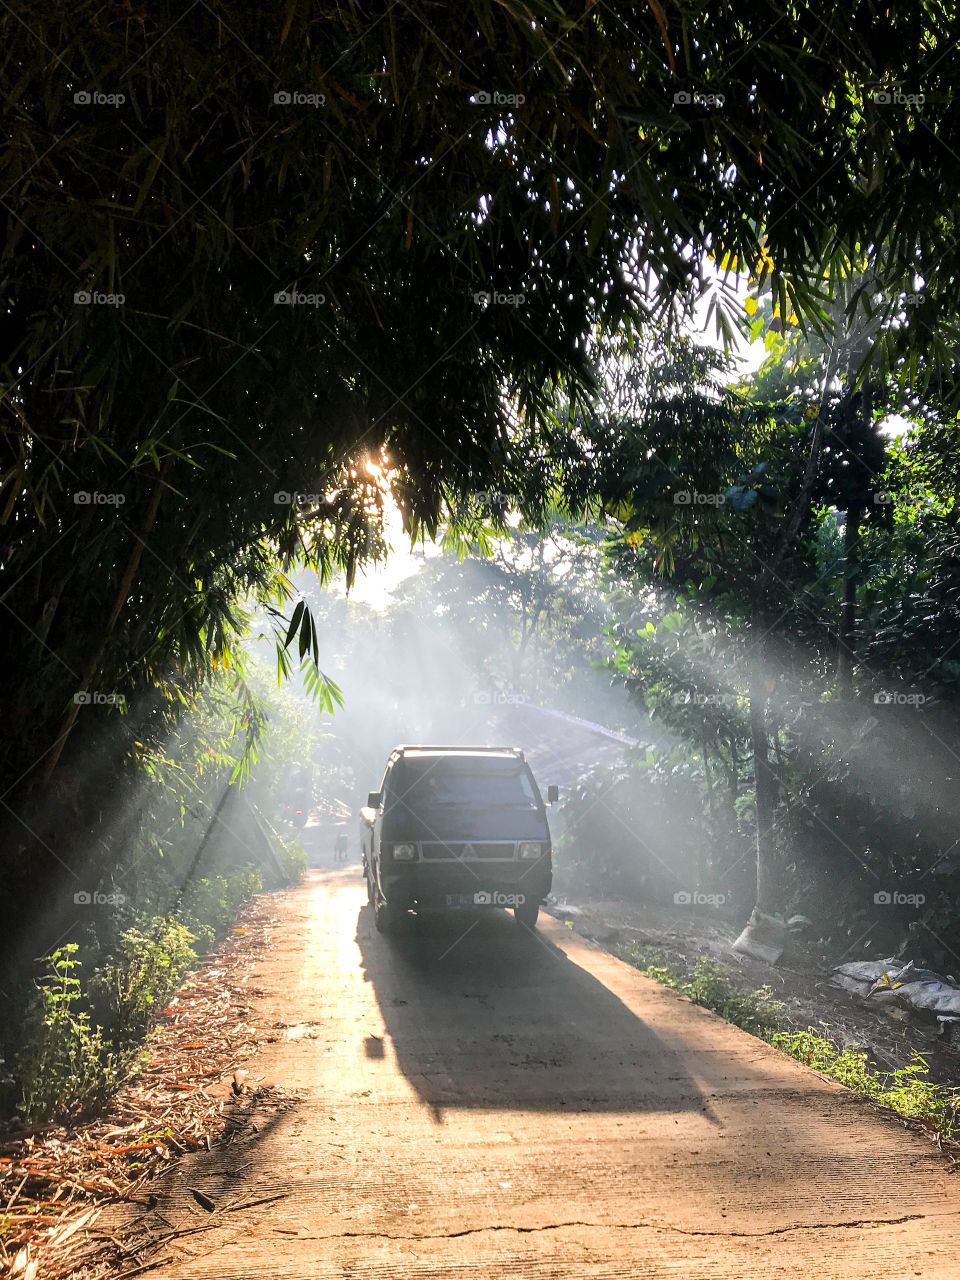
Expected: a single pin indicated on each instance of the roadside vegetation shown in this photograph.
(199, 850)
(84, 1024)
(906, 1091)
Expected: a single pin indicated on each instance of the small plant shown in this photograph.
(712, 986)
(67, 1062)
(63, 1065)
(755, 1011)
(209, 906)
(905, 1091)
(650, 962)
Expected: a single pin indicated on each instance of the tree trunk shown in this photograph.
(851, 558)
(764, 787)
(733, 785)
(848, 609)
(765, 933)
(711, 810)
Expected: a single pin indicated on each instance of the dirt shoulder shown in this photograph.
(187, 1094)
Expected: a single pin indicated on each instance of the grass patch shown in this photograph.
(907, 1092)
(710, 985)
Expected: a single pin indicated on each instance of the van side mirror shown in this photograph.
(373, 800)
(553, 794)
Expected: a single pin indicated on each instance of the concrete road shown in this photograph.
(480, 1101)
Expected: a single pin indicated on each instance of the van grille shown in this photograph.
(468, 851)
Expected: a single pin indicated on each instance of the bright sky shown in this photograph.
(373, 586)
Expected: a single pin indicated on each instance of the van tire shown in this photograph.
(386, 917)
(527, 912)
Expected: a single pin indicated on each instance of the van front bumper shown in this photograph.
(465, 884)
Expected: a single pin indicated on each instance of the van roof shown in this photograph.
(414, 750)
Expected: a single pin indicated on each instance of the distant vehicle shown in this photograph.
(453, 827)
(296, 795)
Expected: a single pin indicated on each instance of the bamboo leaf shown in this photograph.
(295, 622)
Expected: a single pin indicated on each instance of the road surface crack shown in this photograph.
(796, 1226)
(633, 1226)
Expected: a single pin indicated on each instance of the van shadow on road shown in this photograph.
(482, 1012)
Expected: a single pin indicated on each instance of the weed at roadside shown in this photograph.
(906, 1091)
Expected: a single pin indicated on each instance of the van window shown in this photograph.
(428, 784)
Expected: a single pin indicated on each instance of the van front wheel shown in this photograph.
(386, 917)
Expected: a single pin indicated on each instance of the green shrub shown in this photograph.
(140, 979)
(649, 795)
(904, 1091)
(63, 1065)
(712, 986)
(209, 906)
(67, 1062)
(650, 962)
(755, 1011)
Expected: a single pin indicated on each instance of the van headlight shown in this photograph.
(404, 852)
(531, 849)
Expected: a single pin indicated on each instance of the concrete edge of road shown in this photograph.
(565, 935)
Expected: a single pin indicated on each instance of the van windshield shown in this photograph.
(427, 784)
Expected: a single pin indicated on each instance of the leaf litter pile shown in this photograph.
(56, 1179)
